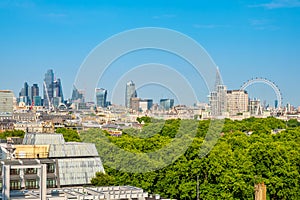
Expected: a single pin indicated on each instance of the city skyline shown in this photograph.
(245, 39)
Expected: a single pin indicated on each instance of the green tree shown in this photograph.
(102, 179)
(13, 133)
(70, 135)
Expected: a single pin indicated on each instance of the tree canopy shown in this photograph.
(13, 133)
(70, 135)
(231, 169)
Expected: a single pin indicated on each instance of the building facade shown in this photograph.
(218, 98)
(6, 102)
(130, 92)
(237, 101)
(101, 97)
(166, 104)
(48, 87)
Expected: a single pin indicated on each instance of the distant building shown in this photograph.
(145, 105)
(48, 87)
(255, 107)
(25, 94)
(58, 92)
(101, 96)
(276, 104)
(6, 102)
(135, 103)
(130, 92)
(218, 98)
(237, 101)
(37, 101)
(166, 104)
(35, 91)
(53, 92)
(77, 96)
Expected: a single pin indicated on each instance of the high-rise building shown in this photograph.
(101, 95)
(166, 104)
(25, 94)
(58, 92)
(77, 96)
(129, 93)
(6, 102)
(237, 101)
(218, 97)
(35, 92)
(276, 104)
(48, 87)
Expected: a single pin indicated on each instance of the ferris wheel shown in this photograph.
(267, 82)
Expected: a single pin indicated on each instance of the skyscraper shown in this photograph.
(77, 96)
(101, 95)
(218, 97)
(130, 92)
(35, 91)
(48, 87)
(57, 90)
(25, 94)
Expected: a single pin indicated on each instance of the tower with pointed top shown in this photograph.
(218, 97)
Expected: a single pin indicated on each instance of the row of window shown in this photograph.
(50, 169)
(29, 184)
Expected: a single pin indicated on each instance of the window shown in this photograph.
(31, 171)
(15, 185)
(50, 168)
(14, 171)
(51, 183)
(31, 184)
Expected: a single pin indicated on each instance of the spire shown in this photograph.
(218, 80)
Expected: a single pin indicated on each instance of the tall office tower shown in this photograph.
(48, 87)
(57, 88)
(237, 101)
(6, 102)
(35, 91)
(276, 104)
(166, 104)
(130, 92)
(25, 94)
(101, 95)
(218, 97)
(26, 89)
(77, 96)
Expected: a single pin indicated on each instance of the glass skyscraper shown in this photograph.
(130, 92)
(101, 95)
(48, 87)
(166, 104)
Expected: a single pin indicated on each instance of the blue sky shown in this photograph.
(246, 39)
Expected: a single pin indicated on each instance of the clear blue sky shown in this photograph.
(245, 38)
